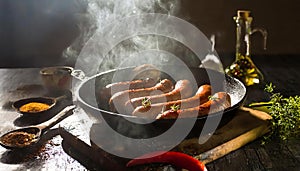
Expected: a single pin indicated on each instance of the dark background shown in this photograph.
(34, 33)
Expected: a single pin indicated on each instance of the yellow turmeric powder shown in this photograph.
(34, 107)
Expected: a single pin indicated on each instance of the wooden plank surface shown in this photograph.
(18, 83)
(245, 127)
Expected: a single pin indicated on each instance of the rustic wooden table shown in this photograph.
(49, 155)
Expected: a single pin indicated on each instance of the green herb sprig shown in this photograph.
(213, 97)
(146, 102)
(285, 114)
(175, 107)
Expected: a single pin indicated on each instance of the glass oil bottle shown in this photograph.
(243, 67)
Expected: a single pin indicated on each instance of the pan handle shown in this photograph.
(79, 74)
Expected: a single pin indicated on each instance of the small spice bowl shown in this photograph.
(35, 105)
(57, 78)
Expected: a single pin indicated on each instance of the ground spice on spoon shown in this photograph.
(33, 107)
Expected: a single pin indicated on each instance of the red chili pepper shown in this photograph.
(175, 158)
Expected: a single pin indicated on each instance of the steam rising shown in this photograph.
(124, 33)
(100, 13)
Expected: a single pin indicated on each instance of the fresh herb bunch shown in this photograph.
(285, 114)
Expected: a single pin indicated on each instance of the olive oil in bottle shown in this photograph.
(245, 70)
(243, 67)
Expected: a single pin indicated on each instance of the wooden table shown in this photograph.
(283, 71)
(21, 83)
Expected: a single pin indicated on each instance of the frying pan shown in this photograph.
(88, 97)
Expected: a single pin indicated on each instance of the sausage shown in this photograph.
(118, 100)
(152, 111)
(218, 102)
(183, 89)
(110, 89)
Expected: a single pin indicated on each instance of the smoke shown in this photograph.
(100, 13)
(125, 33)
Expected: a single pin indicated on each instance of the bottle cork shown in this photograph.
(243, 13)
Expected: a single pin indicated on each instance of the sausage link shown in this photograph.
(183, 89)
(218, 102)
(118, 100)
(110, 89)
(152, 111)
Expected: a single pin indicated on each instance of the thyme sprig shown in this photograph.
(146, 102)
(175, 107)
(213, 97)
(285, 112)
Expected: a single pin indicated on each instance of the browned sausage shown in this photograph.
(152, 111)
(183, 89)
(110, 89)
(218, 102)
(118, 100)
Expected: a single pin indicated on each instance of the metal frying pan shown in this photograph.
(88, 98)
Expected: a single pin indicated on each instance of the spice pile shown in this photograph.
(17, 139)
(34, 107)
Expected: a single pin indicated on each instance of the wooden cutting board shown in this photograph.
(246, 126)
